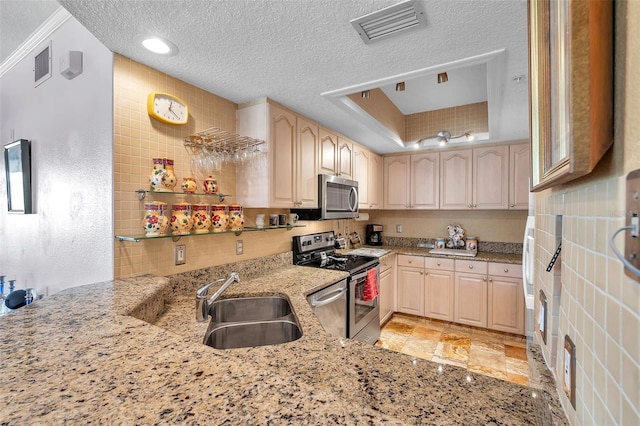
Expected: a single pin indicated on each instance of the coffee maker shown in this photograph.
(374, 235)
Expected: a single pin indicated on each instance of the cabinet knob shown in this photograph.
(506, 269)
(470, 266)
(470, 206)
(484, 279)
(411, 261)
(438, 263)
(421, 273)
(512, 205)
(475, 205)
(490, 280)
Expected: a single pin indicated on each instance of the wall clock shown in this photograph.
(167, 108)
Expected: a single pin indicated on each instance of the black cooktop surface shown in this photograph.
(340, 262)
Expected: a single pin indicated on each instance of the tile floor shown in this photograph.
(494, 354)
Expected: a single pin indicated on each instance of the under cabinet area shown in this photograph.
(477, 293)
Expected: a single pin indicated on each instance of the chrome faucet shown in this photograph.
(202, 304)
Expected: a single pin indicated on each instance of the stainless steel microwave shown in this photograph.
(337, 199)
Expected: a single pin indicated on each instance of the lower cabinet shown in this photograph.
(411, 290)
(439, 289)
(387, 287)
(506, 298)
(477, 293)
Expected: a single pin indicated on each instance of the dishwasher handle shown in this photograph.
(334, 295)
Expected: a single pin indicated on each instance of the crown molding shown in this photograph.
(41, 33)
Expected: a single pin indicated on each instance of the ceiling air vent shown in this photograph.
(42, 65)
(389, 21)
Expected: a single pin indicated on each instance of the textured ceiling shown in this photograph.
(20, 18)
(294, 50)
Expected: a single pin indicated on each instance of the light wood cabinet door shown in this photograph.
(375, 181)
(328, 152)
(361, 160)
(439, 294)
(345, 158)
(519, 161)
(283, 143)
(425, 181)
(456, 179)
(491, 177)
(506, 305)
(307, 164)
(470, 299)
(397, 182)
(387, 295)
(410, 295)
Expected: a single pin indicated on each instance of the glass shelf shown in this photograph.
(137, 239)
(142, 193)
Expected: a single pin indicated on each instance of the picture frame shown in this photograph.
(17, 163)
(570, 88)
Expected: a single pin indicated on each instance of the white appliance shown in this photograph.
(528, 273)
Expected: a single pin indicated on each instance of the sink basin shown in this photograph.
(249, 334)
(250, 309)
(252, 321)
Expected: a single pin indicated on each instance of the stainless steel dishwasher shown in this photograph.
(330, 306)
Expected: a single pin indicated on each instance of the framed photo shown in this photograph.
(17, 162)
(571, 88)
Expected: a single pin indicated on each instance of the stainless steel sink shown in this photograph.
(252, 321)
(249, 309)
(249, 334)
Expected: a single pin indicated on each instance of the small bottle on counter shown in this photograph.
(3, 307)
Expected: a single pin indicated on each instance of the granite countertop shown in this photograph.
(85, 355)
(484, 256)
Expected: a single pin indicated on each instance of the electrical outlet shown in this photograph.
(180, 254)
(239, 247)
(399, 229)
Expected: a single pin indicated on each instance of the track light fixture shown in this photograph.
(400, 87)
(442, 77)
(443, 137)
(365, 94)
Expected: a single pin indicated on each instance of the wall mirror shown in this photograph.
(17, 162)
(571, 88)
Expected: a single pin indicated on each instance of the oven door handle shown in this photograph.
(326, 301)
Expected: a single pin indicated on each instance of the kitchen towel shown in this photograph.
(371, 286)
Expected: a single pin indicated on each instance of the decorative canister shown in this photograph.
(181, 221)
(472, 244)
(210, 186)
(164, 222)
(219, 217)
(163, 178)
(152, 221)
(189, 185)
(236, 218)
(439, 243)
(201, 215)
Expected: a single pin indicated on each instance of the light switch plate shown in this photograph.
(399, 229)
(180, 254)
(239, 247)
(631, 243)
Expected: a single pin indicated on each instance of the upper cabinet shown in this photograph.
(519, 166)
(367, 169)
(411, 181)
(488, 178)
(289, 177)
(336, 154)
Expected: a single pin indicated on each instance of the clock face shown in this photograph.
(167, 108)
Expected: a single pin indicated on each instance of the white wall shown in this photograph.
(68, 241)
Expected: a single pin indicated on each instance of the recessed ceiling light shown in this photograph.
(159, 45)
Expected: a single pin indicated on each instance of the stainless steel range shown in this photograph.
(361, 312)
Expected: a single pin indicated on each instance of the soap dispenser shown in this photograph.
(3, 308)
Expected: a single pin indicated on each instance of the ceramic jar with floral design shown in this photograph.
(236, 218)
(181, 221)
(201, 215)
(164, 221)
(219, 217)
(163, 178)
(210, 186)
(189, 185)
(153, 220)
